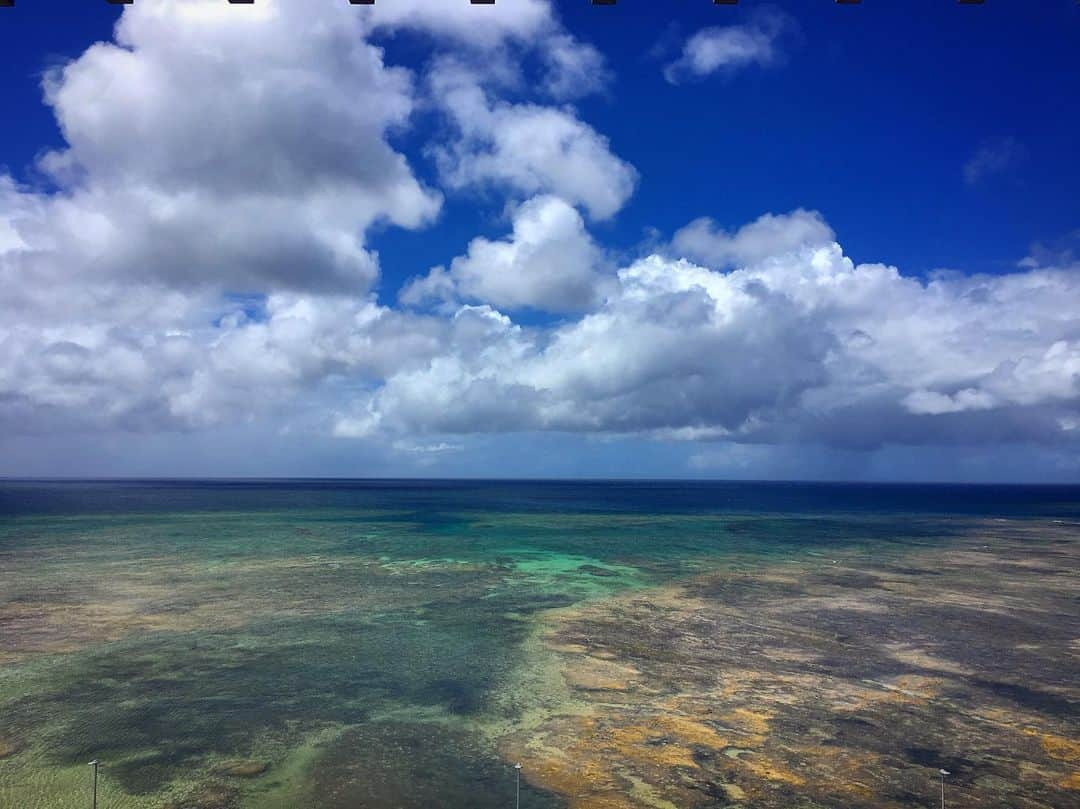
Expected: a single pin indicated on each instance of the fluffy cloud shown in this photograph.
(769, 235)
(731, 47)
(498, 35)
(167, 360)
(214, 149)
(798, 346)
(487, 27)
(246, 147)
(574, 69)
(525, 147)
(801, 346)
(229, 146)
(549, 262)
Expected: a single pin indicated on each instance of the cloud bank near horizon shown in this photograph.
(221, 275)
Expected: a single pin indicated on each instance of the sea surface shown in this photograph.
(369, 643)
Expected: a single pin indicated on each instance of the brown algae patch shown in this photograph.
(825, 683)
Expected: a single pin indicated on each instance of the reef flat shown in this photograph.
(830, 680)
(360, 645)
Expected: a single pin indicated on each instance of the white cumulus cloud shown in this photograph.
(798, 346)
(229, 147)
(525, 147)
(766, 236)
(549, 262)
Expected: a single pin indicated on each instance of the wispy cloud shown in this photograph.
(732, 47)
(993, 156)
(427, 449)
(1061, 252)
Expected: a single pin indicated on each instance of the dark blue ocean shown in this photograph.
(25, 497)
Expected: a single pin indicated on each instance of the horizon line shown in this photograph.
(482, 479)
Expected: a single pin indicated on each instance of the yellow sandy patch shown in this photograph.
(734, 791)
(751, 721)
(770, 770)
(646, 744)
(606, 800)
(1059, 747)
(592, 674)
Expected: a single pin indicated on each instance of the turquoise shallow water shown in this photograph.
(350, 643)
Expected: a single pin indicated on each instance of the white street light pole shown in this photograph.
(94, 764)
(943, 774)
(517, 771)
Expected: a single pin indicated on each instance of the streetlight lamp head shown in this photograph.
(517, 766)
(944, 772)
(94, 762)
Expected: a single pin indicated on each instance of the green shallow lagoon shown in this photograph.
(348, 645)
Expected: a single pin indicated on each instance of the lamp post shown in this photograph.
(517, 785)
(94, 764)
(943, 773)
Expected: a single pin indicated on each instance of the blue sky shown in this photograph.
(925, 136)
(870, 120)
